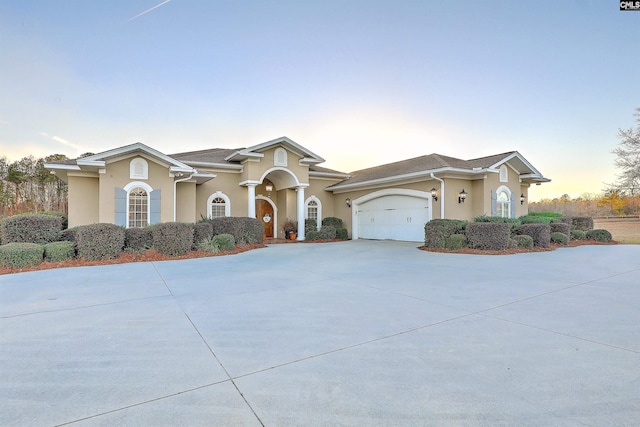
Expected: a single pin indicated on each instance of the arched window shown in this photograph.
(138, 169)
(218, 205)
(138, 201)
(504, 174)
(503, 205)
(313, 210)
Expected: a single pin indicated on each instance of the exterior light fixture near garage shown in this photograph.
(461, 196)
(348, 202)
(434, 194)
(522, 199)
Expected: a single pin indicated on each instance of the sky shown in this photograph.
(358, 82)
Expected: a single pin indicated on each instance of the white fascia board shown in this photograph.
(127, 149)
(242, 155)
(61, 167)
(533, 170)
(93, 163)
(215, 165)
(185, 168)
(310, 156)
(329, 175)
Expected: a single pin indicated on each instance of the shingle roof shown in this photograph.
(213, 155)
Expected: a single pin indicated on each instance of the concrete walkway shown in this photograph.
(364, 333)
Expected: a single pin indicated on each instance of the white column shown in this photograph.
(251, 200)
(300, 191)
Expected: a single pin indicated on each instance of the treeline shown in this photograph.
(26, 186)
(612, 203)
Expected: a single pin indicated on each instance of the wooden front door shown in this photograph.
(264, 213)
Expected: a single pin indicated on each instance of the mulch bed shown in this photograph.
(126, 257)
(552, 247)
(152, 255)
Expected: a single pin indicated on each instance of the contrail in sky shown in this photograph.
(148, 10)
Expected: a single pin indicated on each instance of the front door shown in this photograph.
(264, 212)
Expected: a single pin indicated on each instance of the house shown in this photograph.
(136, 185)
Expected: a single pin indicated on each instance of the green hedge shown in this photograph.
(202, 232)
(488, 235)
(524, 241)
(69, 234)
(578, 234)
(172, 238)
(332, 221)
(537, 219)
(312, 235)
(456, 241)
(541, 233)
(310, 225)
(342, 234)
(243, 229)
(328, 232)
(561, 227)
(59, 251)
(20, 254)
(99, 241)
(31, 228)
(559, 238)
(599, 235)
(138, 239)
(436, 231)
(584, 223)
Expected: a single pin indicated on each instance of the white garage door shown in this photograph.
(394, 217)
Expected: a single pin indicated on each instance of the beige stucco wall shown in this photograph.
(83, 199)
(116, 175)
(186, 202)
(226, 182)
(255, 170)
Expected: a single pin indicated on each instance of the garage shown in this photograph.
(393, 216)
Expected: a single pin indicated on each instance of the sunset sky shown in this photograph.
(360, 83)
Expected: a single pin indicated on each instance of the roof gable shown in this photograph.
(256, 151)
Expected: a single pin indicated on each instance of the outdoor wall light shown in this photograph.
(434, 194)
(522, 199)
(269, 187)
(461, 196)
(348, 202)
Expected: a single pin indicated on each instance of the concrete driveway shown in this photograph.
(354, 333)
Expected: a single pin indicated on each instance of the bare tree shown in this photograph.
(628, 158)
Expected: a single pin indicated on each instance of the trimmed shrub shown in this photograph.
(561, 227)
(488, 235)
(328, 232)
(31, 228)
(436, 231)
(599, 235)
(172, 238)
(243, 229)
(546, 214)
(209, 246)
(225, 242)
(62, 215)
(202, 232)
(559, 238)
(540, 233)
(537, 219)
(342, 234)
(584, 223)
(99, 241)
(312, 235)
(310, 225)
(523, 241)
(138, 239)
(456, 241)
(578, 234)
(332, 221)
(69, 234)
(59, 251)
(20, 254)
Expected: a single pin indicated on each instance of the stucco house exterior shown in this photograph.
(136, 185)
